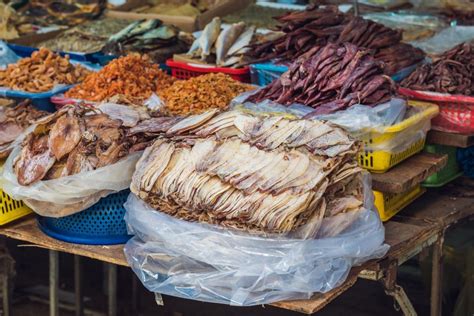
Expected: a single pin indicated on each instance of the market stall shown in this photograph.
(230, 159)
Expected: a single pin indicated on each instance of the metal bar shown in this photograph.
(6, 295)
(53, 283)
(78, 288)
(437, 277)
(355, 3)
(112, 289)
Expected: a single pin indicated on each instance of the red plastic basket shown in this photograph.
(456, 112)
(182, 70)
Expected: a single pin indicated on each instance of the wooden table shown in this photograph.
(421, 225)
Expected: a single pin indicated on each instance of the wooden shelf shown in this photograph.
(409, 173)
(450, 139)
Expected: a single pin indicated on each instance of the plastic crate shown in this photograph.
(41, 101)
(451, 171)
(101, 224)
(263, 74)
(379, 160)
(456, 112)
(182, 70)
(389, 204)
(11, 209)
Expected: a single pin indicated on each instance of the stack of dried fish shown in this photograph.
(451, 72)
(198, 94)
(189, 8)
(14, 120)
(75, 139)
(150, 37)
(41, 72)
(319, 26)
(133, 76)
(66, 12)
(12, 25)
(399, 56)
(89, 37)
(259, 174)
(329, 79)
(222, 47)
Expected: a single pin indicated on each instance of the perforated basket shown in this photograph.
(382, 160)
(451, 171)
(264, 74)
(389, 204)
(11, 209)
(101, 224)
(456, 112)
(183, 70)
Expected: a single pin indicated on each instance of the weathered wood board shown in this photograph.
(450, 139)
(408, 173)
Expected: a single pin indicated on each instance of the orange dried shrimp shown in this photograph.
(133, 76)
(41, 72)
(196, 95)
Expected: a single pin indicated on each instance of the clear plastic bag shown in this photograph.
(446, 39)
(214, 264)
(68, 195)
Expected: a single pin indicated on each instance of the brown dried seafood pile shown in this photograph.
(451, 72)
(14, 120)
(329, 79)
(259, 174)
(318, 26)
(74, 139)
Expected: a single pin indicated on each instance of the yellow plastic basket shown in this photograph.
(379, 160)
(11, 209)
(389, 204)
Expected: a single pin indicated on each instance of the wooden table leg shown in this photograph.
(6, 291)
(389, 282)
(112, 289)
(437, 277)
(53, 283)
(78, 289)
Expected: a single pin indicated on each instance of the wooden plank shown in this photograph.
(27, 230)
(450, 139)
(408, 173)
(319, 301)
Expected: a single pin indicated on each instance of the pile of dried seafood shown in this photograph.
(65, 12)
(133, 76)
(329, 79)
(222, 47)
(41, 72)
(159, 41)
(12, 25)
(198, 94)
(260, 174)
(451, 72)
(89, 37)
(75, 139)
(318, 26)
(14, 120)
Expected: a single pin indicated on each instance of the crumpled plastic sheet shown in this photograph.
(213, 264)
(446, 39)
(68, 195)
(7, 56)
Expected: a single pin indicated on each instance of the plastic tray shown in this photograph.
(456, 112)
(380, 161)
(451, 171)
(263, 74)
(25, 51)
(389, 204)
(182, 70)
(101, 224)
(41, 101)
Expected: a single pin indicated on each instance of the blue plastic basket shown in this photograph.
(41, 101)
(264, 74)
(101, 224)
(25, 51)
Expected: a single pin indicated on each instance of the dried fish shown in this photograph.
(247, 181)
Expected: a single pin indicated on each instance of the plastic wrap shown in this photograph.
(446, 39)
(214, 264)
(68, 195)
(7, 56)
(463, 5)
